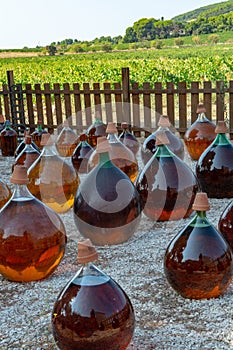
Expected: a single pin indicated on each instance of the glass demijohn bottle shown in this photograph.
(92, 312)
(128, 139)
(120, 155)
(200, 134)
(95, 130)
(166, 184)
(37, 134)
(28, 155)
(198, 262)
(107, 207)
(32, 236)
(66, 141)
(225, 224)
(51, 179)
(149, 146)
(9, 140)
(81, 155)
(214, 168)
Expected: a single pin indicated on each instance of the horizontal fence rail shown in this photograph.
(139, 105)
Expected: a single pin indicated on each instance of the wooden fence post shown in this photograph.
(126, 95)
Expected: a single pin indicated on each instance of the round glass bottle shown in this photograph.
(128, 139)
(81, 155)
(198, 262)
(166, 184)
(225, 224)
(37, 134)
(149, 146)
(200, 134)
(214, 168)
(32, 236)
(66, 141)
(22, 144)
(120, 155)
(9, 140)
(28, 155)
(51, 179)
(95, 130)
(92, 311)
(107, 207)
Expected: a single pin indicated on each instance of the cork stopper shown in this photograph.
(86, 252)
(161, 138)
(1, 119)
(201, 108)
(46, 140)
(124, 125)
(111, 128)
(19, 175)
(102, 145)
(201, 202)
(221, 127)
(164, 121)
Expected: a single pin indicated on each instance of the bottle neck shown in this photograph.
(221, 139)
(49, 151)
(112, 138)
(163, 151)
(104, 160)
(39, 127)
(201, 117)
(200, 219)
(21, 191)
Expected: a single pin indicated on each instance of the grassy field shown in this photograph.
(196, 63)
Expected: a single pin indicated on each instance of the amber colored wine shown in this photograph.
(93, 313)
(53, 182)
(5, 193)
(66, 142)
(32, 241)
(199, 266)
(169, 194)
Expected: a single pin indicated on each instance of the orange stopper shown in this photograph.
(1, 118)
(102, 145)
(46, 140)
(28, 139)
(86, 252)
(201, 108)
(19, 175)
(221, 127)
(201, 202)
(164, 121)
(161, 138)
(124, 125)
(111, 128)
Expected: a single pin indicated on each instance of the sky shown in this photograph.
(27, 23)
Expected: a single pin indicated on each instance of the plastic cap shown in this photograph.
(102, 145)
(46, 140)
(111, 128)
(161, 138)
(86, 252)
(221, 127)
(201, 202)
(164, 121)
(201, 108)
(19, 175)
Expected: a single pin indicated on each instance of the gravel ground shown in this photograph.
(164, 320)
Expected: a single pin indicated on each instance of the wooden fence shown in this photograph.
(140, 106)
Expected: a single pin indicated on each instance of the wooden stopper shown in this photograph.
(124, 125)
(164, 121)
(102, 145)
(201, 202)
(86, 252)
(201, 108)
(221, 127)
(161, 138)
(19, 175)
(111, 128)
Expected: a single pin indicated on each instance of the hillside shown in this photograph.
(220, 8)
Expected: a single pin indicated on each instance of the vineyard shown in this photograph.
(184, 64)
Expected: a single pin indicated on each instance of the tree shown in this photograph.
(107, 47)
(130, 36)
(51, 49)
